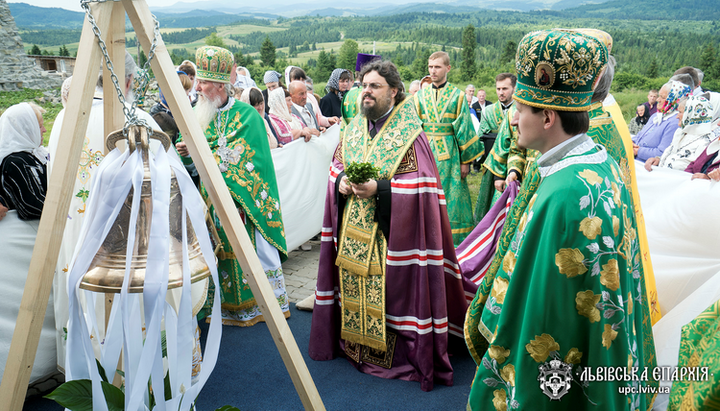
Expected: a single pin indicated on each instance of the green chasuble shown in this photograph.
(351, 104)
(239, 144)
(602, 132)
(496, 163)
(449, 129)
(569, 295)
(699, 347)
(492, 116)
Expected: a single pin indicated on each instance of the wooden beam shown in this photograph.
(141, 19)
(52, 222)
(113, 116)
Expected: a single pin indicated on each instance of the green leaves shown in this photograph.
(227, 408)
(76, 395)
(359, 173)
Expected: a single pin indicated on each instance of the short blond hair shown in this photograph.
(440, 55)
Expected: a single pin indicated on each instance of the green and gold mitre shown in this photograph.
(214, 64)
(558, 69)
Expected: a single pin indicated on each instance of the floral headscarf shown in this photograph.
(271, 76)
(697, 118)
(677, 91)
(333, 83)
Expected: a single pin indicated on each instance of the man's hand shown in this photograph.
(635, 149)
(365, 190)
(333, 120)
(715, 174)
(652, 161)
(182, 149)
(3, 211)
(313, 131)
(464, 170)
(344, 187)
(510, 178)
(700, 176)
(500, 185)
(322, 129)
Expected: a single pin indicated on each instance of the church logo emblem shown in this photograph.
(555, 378)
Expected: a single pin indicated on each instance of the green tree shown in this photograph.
(652, 70)
(324, 65)
(420, 64)
(214, 40)
(314, 46)
(267, 52)
(508, 53)
(467, 67)
(64, 51)
(707, 58)
(347, 56)
(35, 50)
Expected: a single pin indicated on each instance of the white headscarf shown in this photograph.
(278, 108)
(245, 96)
(20, 131)
(65, 91)
(287, 73)
(244, 81)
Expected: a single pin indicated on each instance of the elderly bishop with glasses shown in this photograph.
(389, 294)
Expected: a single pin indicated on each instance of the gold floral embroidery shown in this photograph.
(608, 336)
(523, 221)
(532, 202)
(591, 177)
(616, 225)
(500, 400)
(508, 374)
(499, 289)
(498, 353)
(609, 276)
(615, 174)
(591, 227)
(570, 262)
(540, 348)
(630, 303)
(616, 194)
(509, 262)
(585, 303)
(573, 356)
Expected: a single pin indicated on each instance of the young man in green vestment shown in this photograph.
(446, 119)
(569, 297)
(236, 135)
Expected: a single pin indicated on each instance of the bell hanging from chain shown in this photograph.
(107, 270)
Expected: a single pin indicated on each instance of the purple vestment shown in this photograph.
(424, 301)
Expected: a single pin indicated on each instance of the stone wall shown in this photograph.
(16, 69)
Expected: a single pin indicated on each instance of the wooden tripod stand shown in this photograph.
(110, 19)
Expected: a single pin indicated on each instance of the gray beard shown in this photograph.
(205, 110)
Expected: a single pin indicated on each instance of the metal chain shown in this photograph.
(131, 119)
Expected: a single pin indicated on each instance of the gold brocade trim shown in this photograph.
(489, 336)
(462, 230)
(501, 160)
(409, 162)
(469, 143)
(595, 105)
(237, 307)
(529, 97)
(473, 158)
(338, 152)
(600, 121)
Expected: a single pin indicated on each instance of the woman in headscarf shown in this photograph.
(339, 82)
(638, 122)
(65, 91)
(271, 78)
(288, 127)
(254, 97)
(658, 133)
(689, 141)
(707, 165)
(23, 183)
(243, 79)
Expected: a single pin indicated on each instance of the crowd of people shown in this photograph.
(568, 284)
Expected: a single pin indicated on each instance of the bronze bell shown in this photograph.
(107, 270)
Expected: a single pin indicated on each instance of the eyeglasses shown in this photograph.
(373, 86)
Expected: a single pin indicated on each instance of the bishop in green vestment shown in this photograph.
(236, 135)
(448, 125)
(568, 297)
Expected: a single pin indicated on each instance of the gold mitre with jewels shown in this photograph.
(214, 64)
(603, 36)
(558, 69)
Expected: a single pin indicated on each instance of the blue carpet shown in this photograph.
(250, 375)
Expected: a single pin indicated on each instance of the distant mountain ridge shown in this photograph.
(28, 16)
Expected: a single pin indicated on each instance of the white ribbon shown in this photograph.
(142, 353)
